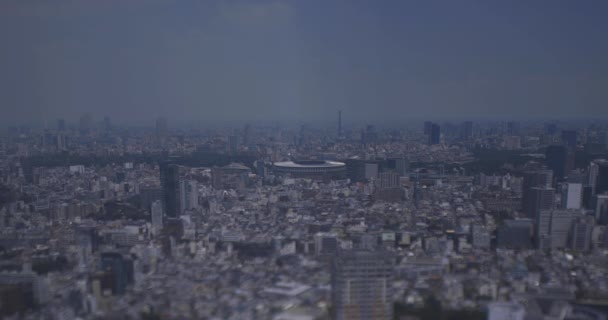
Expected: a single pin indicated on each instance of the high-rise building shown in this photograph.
(540, 198)
(600, 207)
(435, 134)
(188, 190)
(601, 182)
(534, 179)
(156, 211)
(561, 225)
(569, 138)
(592, 171)
(572, 195)
(553, 227)
(560, 159)
(169, 178)
(542, 229)
(582, 229)
(360, 284)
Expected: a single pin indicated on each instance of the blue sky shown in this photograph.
(302, 60)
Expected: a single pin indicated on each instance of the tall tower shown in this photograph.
(339, 123)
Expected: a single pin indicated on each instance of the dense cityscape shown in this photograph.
(437, 220)
(303, 160)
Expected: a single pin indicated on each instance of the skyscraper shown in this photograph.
(534, 179)
(601, 182)
(434, 134)
(169, 178)
(560, 159)
(592, 171)
(188, 190)
(360, 283)
(156, 211)
(600, 206)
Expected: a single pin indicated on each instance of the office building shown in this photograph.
(592, 172)
(540, 198)
(560, 159)
(601, 180)
(434, 136)
(360, 283)
(169, 178)
(188, 194)
(561, 225)
(572, 195)
(600, 207)
(542, 229)
(534, 179)
(580, 238)
(156, 211)
(388, 179)
(553, 227)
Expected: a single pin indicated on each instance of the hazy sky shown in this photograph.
(250, 60)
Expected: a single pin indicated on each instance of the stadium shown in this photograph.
(312, 169)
